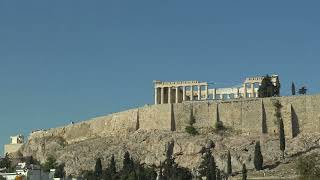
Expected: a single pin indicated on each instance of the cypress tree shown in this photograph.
(267, 89)
(244, 172)
(111, 170)
(258, 159)
(127, 163)
(282, 137)
(293, 89)
(98, 168)
(229, 166)
(208, 166)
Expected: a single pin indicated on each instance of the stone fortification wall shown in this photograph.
(301, 114)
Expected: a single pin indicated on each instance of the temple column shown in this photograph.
(162, 95)
(155, 95)
(245, 91)
(169, 95)
(238, 93)
(191, 96)
(207, 92)
(252, 90)
(177, 94)
(183, 93)
(214, 93)
(199, 93)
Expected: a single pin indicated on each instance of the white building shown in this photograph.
(32, 172)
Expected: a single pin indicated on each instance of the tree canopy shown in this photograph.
(267, 88)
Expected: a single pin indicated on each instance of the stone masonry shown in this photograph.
(301, 114)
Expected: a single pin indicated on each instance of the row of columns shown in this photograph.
(162, 98)
(177, 94)
(252, 90)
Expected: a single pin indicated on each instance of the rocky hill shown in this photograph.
(146, 132)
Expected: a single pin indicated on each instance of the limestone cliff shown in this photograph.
(146, 131)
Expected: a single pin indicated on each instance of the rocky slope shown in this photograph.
(150, 146)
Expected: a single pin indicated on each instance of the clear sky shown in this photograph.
(70, 60)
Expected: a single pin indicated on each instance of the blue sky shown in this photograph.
(63, 61)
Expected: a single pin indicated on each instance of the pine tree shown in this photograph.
(293, 89)
(208, 166)
(244, 172)
(258, 159)
(49, 164)
(98, 168)
(229, 166)
(303, 90)
(282, 137)
(267, 89)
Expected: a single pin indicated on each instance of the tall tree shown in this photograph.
(5, 162)
(293, 89)
(258, 158)
(98, 168)
(30, 160)
(267, 89)
(229, 166)
(127, 163)
(303, 90)
(208, 166)
(171, 170)
(244, 172)
(59, 171)
(282, 137)
(111, 170)
(112, 165)
(50, 163)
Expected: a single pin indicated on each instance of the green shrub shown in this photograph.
(307, 167)
(191, 130)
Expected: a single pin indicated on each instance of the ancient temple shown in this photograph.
(179, 91)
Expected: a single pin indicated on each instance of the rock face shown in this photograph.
(149, 147)
(145, 132)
